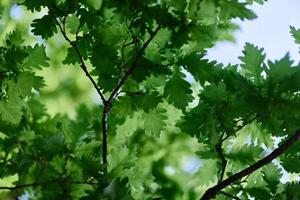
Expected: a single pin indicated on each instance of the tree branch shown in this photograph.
(108, 103)
(82, 65)
(211, 192)
(219, 150)
(133, 66)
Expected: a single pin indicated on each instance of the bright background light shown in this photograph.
(270, 30)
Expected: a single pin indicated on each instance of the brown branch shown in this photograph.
(82, 63)
(219, 150)
(211, 192)
(108, 103)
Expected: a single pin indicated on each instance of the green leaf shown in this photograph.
(45, 26)
(72, 23)
(177, 91)
(87, 148)
(177, 4)
(201, 69)
(244, 155)
(146, 68)
(271, 175)
(292, 191)
(154, 121)
(25, 83)
(295, 33)
(257, 1)
(252, 59)
(279, 70)
(15, 38)
(259, 193)
(95, 4)
(10, 113)
(36, 58)
(118, 189)
(209, 165)
(84, 46)
(233, 9)
(290, 162)
(150, 101)
(204, 11)
(72, 57)
(11, 109)
(215, 93)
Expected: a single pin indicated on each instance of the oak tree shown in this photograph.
(168, 123)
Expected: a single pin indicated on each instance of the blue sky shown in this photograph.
(270, 31)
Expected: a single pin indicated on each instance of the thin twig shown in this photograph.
(219, 149)
(133, 66)
(247, 121)
(82, 65)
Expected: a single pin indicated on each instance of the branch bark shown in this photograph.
(107, 103)
(211, 192)
(121, 82)
(82, 63)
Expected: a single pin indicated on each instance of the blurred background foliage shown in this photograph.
(66, 87)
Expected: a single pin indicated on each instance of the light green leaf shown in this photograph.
(10, 112)
(37, 57)
(252, 59)
(295, 33)
(154, 121)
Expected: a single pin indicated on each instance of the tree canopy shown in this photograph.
(116, 100)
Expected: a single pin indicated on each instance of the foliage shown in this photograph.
(170, 123)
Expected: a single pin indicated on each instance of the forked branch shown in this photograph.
(121, 82)
(107, 103)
